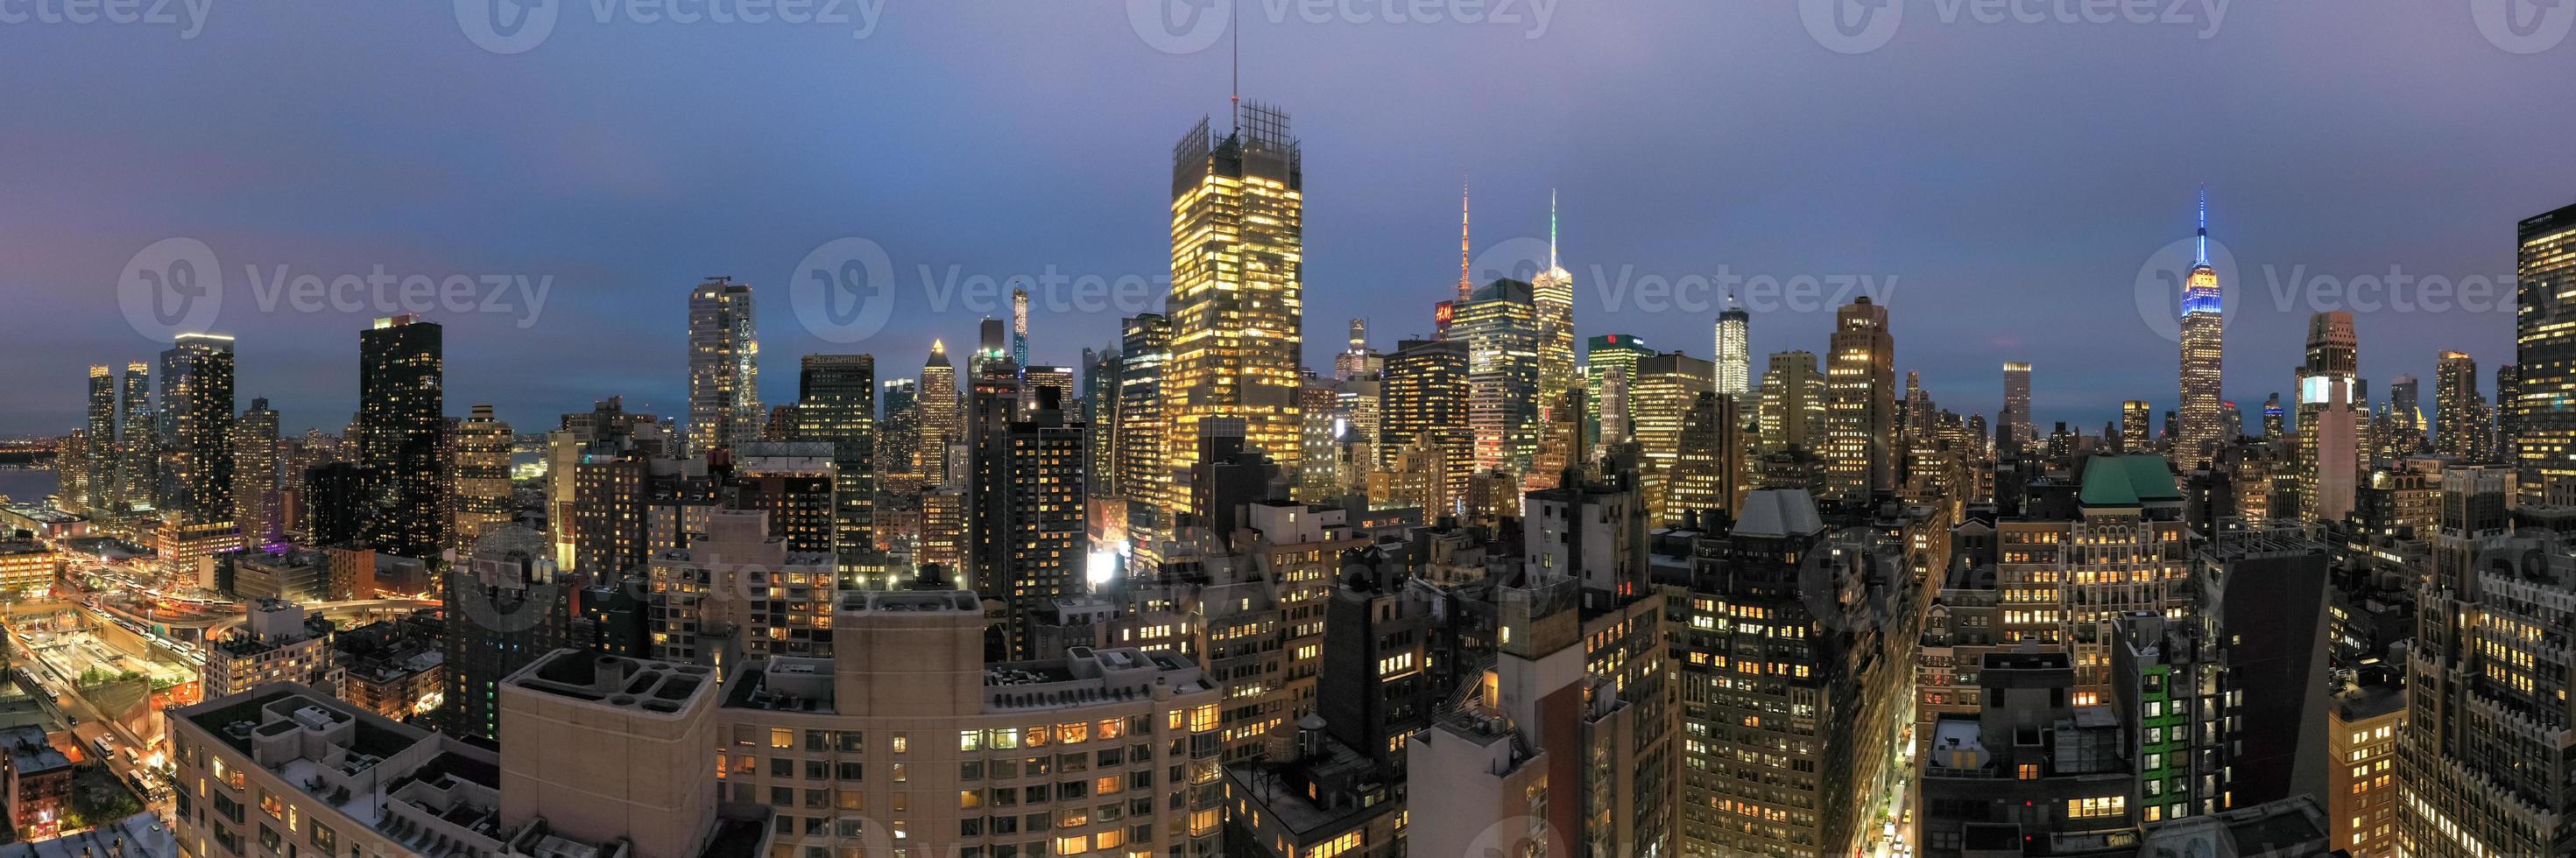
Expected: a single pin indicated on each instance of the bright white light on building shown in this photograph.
(1102, 568)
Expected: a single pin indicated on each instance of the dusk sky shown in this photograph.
(2001, 185)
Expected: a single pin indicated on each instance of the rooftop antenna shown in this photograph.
(1236, 28)
(1551, 229)
(2204, 223)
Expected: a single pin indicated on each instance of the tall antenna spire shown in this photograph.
(2204, 224)
(1551, 229)
(1235, 29)
(1466, 277)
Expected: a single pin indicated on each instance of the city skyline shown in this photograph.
(1380, 226)
(1833, 438)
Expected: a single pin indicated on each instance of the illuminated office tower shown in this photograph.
(724, 366)
(2276, 420)
(1552, 294)
(1860, 386)
(2016, 416)
(1020, 326)
(2203, 346)
(402, 419)
(940, 420)
(1793, 402)
(1499, 326)
(1609, 364)
(197, 402)
(1359, 362)
(2544, 394)
(482, 481)
(1708, 465)
(103, 492)
(1666, 387)
(1238, 288)
(139, 446)
(2329, 452)
(1424, 399)
(2134, 415)
(1145, 351)
(836, 403)
(2458, 431)
(256, 460)
(1734, 358)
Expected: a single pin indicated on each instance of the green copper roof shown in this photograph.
(2130, 480)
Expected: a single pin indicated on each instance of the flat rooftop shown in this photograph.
(659, 687)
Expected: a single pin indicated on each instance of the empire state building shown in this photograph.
(2203, 340)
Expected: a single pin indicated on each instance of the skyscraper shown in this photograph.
(2482, 767)
(1500, 327)
(1238, 287)
(1734, 360)
(2508, 416)
(104, 492)
(1793, 402)
(1609, 365)
(1145, 351)
(724, 366)
(1359, 362)
(402, 419)
(941, 422)
(1029, 538)
(2457, 429)
(1425, 399)
(1660, 399)
(2398, 429)
(482, 481)
(992, 345)
(256, 459)
(2203, 344)
(836, 403)
(139, 447)
(2543, 412)
(2134, 415)
(1020, 326)
(2016, 416)
(1552, 296)
(2329, 452)
(197, 401)
(1860, 418)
